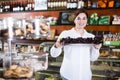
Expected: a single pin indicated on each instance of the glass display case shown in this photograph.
(107, 67)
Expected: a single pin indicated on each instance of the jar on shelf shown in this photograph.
(39, 62)
(36, 61)
(17, 69)
(37, 28)
(12, 28)
(19, 28)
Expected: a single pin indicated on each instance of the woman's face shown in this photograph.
(80, 21)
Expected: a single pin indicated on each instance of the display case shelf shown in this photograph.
(111, 43)
(32, 41)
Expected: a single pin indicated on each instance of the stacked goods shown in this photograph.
(106, 3)
(94, 19)
(116, 20)
(112, 39)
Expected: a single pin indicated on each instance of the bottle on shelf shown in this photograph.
(85, 3)
(11, 5)
(89, 4)
(1, 7)
(20, 6)
(54, 4)
(4, 3)
(48, 4)
(95, 4)
(80, 4)
(16, 6)
(7, 6)
(59, 5)
(64, 4)
(75, 4)
(68, 4)
(72, 4)
(51, 4)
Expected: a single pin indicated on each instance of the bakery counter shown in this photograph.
(39, 75)
(106, 68)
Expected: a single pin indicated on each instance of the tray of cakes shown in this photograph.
(80, 40)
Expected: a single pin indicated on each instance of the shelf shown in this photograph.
(100, 67)
(55, 64)
(95, 75)
(87, 25)
(31, 11)
(112, 28)
(59, 28)
(109, 59)
(102, 8)
(116, 69)
(103, 77)
(97, 25)
(58, 10)
(30, 41)
(105, 67)
(111, 43)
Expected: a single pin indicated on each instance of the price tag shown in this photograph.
(107, 42)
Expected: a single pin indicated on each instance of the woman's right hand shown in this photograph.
(58, 44)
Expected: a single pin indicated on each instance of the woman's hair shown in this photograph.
(77, 12)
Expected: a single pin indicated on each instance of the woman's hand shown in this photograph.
(58, 44)
(98, 46)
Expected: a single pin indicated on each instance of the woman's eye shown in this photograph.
(81, 19)
(84, 18)
(78, 18)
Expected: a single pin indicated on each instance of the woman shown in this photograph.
(77, 57)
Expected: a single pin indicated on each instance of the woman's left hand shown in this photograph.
(98, 46)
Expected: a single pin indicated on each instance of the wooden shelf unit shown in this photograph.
(55, 13)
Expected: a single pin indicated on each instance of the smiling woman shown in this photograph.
(76, 59)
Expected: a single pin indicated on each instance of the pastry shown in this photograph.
(16, 71)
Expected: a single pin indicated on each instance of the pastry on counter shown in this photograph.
(44, 28)
(16, 71)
